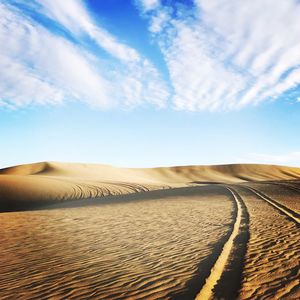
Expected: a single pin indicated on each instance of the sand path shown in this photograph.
(285, 193)
(285, 210)
(271, 269)
(290, 185)
(218, 269)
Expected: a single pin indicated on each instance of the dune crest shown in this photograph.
(43, 182)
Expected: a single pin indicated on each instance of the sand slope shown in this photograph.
(271, 269)
(149, 249)
(35, 184)
(217, 241)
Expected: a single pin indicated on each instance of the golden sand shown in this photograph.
(149, 249)
(272, 261)
(37, 184)
(161, 233)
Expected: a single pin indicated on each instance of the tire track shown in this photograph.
(228, 257)
(292, 215)
(287, 185)
(271, 269)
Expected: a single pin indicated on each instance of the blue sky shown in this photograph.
(149, 83)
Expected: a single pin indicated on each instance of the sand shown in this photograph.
(150, 249)
(285, 193)
(28, 186)
(207, 291)
(77, 231)
(271, 269)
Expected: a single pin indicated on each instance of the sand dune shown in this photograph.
(183, 238)
(160, 248)
(41, 183)
(180, 174)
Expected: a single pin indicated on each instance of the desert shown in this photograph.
(149, 150)
(79, 231)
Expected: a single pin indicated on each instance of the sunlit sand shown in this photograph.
(75, 231)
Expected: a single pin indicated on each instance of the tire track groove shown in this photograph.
(219, 269)
(292, 215)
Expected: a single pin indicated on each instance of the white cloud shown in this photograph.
(19, 87)
(195, 74)
(149, 5)
(42, 67)
(219, 54)
(73, 16)
(228, 54)
(158, 21)
(39, 67)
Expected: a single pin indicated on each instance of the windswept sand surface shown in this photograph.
(271, 269)
(182, 238)
(27, 186)
(151, 249)
(285, 193)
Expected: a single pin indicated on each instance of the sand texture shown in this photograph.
(97, 232)
(150, 249)
(285, 193)
(271, 269)
(28, 186)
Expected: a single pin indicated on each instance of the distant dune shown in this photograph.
(45, 182)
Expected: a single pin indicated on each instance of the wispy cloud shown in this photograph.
(228, 54)
(148, 5)
(219, 54)
(75, 18)
(40, 66)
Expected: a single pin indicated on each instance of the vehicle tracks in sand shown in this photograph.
(224, 279)
(290, 186)
(271, 268)
(289, 213)
(226, 276)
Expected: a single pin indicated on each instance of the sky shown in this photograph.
(143, 83)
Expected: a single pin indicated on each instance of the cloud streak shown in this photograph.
(219, 55)
(229, 54)
(148, 5)
(40, 66)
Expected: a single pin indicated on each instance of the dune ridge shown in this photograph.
(176, 174)
(45, 182)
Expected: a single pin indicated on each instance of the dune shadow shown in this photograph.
(206, 182)
(27, 204)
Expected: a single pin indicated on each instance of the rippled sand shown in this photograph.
(137, 250)
(271, 269)
(172, 233)
(286, 193)
(28, 186)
